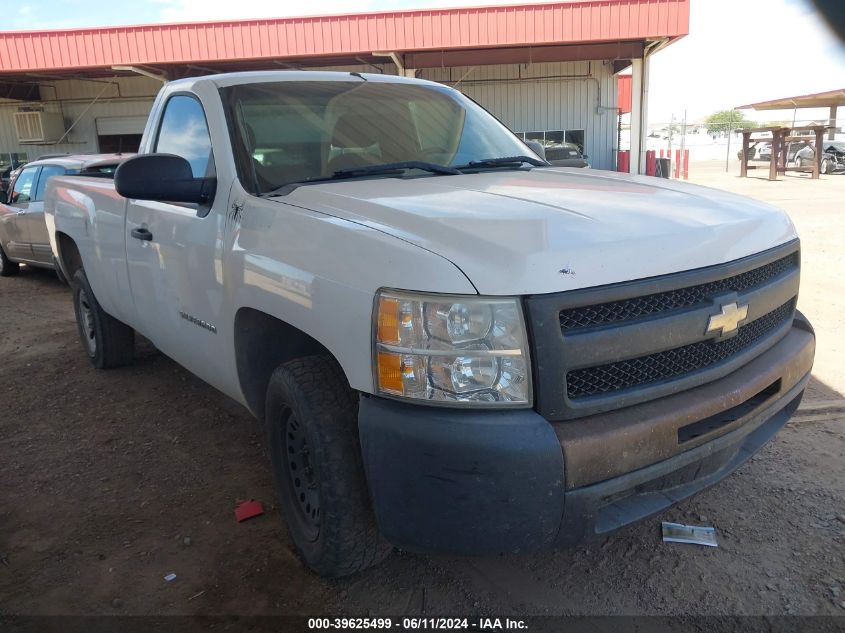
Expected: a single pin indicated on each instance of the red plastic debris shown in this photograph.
(248, 509)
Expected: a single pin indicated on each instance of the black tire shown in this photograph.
(8, 267)
(108, 342)
(312, 434)
(799, 162)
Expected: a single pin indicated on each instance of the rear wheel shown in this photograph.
(108, 342)
(312, 433)
(799, 161)
(7, 267)
(825, 167)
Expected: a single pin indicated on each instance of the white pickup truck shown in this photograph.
(453, 346)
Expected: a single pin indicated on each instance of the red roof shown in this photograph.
(344, 38)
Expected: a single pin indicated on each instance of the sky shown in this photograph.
(722, 63)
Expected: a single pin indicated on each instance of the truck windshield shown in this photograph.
(298, 131)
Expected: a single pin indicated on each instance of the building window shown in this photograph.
(555, 138)
(577, 137)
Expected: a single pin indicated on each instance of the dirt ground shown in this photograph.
(111, 480)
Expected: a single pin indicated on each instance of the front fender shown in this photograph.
(319, 274)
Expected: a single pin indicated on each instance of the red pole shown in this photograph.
(622, 161)
(661, 153)
(677, 164)
(686, 164)
(650, 163)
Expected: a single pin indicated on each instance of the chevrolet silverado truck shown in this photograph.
(453, 346)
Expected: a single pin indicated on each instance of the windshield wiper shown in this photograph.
(504, 161)
(399, 167)
(384, 169)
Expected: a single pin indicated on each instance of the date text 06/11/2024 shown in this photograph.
(414, 624)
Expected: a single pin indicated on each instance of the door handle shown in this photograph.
(142, 234)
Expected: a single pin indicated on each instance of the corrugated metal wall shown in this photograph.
(543, 97)
(121, 97)
(532, 97)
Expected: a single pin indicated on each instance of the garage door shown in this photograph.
(120, 134)
(114, 125)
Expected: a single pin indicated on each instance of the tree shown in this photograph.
(725, 121)
(775, 124)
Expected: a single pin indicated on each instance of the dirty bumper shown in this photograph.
(470, 482)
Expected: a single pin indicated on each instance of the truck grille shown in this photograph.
(604, 348)
(672, 363)
(639, 307)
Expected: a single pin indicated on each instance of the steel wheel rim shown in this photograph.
(86, 323)
(302, 480)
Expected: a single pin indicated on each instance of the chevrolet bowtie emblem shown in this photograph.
(728, 319)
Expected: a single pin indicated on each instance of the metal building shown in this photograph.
(548, 71)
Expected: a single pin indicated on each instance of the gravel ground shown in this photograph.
(112, 480)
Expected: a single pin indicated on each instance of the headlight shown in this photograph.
(468, 351)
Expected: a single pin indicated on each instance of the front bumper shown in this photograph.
(471, 482)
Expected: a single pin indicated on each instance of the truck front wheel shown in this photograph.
(108, 342)
(315, 455)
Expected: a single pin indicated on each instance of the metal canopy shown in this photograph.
(567, 30)
(818, 100)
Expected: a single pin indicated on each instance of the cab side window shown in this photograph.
(23, 190)
(184, 132)
(47, 172)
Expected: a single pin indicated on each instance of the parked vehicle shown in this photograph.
(453, 346)
(757, 150)
(566, 155)
(833, 158)
(23, 233)
(762, 150)
(7, 172)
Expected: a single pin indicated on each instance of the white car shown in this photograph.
(453, 345)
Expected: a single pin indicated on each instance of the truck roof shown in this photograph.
(224, 80)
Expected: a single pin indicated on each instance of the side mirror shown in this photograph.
(163, 178)
(537, 148)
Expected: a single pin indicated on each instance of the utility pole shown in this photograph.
(730, 129)
(683, 138)
(671, 134)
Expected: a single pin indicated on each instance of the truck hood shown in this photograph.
(550, 230)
